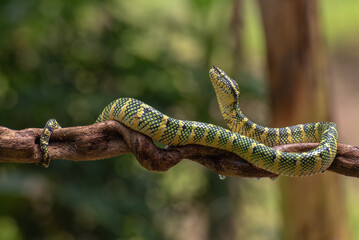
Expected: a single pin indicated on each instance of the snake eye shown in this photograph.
(222, 74)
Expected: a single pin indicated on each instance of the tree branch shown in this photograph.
(110, 138)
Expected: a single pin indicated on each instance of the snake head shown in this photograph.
(227, 92)
(226, 88)
(222, 82)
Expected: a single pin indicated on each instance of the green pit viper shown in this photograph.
(246, 139)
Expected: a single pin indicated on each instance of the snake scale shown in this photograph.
(246, 139)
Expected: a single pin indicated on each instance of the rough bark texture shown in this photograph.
(111, 138)
(298, 90)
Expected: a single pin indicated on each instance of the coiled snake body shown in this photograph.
(246, 139)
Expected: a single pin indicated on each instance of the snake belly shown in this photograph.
(170, 131)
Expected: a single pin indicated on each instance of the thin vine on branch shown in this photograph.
(111, 138)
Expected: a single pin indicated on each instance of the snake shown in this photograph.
(250, 141)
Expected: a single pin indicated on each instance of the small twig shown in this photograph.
(110, 138)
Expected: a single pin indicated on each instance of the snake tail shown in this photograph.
(50, 126)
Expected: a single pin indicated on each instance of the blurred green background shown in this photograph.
(69, 59)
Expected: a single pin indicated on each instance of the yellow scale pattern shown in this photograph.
(246, 139)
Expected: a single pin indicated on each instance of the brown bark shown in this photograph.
(298, 90)
(111, 138)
